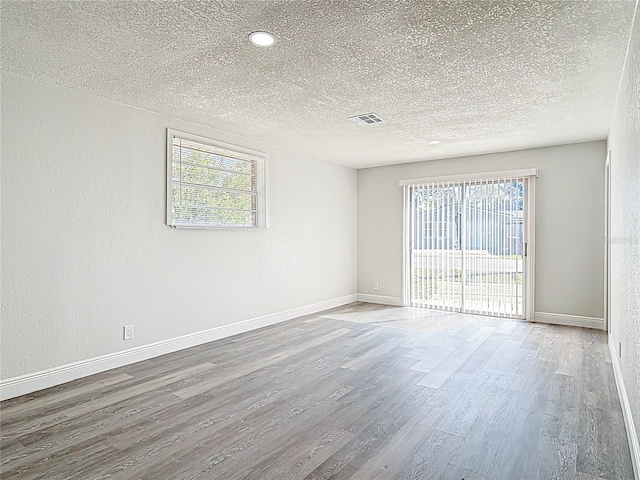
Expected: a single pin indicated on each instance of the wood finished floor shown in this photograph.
(323, 397)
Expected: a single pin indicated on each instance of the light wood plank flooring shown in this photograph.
(359, 392)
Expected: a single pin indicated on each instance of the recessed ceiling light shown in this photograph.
(434, 142)
(262, 39)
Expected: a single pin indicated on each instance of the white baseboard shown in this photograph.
(572, 320)
(381, 299)
(16, 386)
(632, 435)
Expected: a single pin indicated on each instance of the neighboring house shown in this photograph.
(498, 233)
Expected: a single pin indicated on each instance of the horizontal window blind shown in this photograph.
(213, 185)
(465, 245)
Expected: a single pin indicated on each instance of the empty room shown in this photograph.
(320, 239)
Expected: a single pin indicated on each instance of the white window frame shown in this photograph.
(262, 210)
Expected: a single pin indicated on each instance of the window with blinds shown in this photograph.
(214, 185)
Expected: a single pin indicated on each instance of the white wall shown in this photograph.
(624, 143)
(85, 249)
(569, 222)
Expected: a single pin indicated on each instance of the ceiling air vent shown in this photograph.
(366, 119)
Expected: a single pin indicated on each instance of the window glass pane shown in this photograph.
(175, 172)
(175, 193)
(215, 178)
(194, 196)
(196, 216)
(200, 154)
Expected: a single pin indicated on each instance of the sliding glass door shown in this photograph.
(466, 247)
(436, 246)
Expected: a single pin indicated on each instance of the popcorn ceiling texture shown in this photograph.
(624, 143)
(479, 75)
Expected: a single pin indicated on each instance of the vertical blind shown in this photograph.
(214, 186)
(465, 245)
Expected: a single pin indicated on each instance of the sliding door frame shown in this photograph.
(607, 242)
(530, 248)
(530, 175)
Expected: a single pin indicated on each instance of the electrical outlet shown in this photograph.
(128, 332)
(375, 285)
(619, 349)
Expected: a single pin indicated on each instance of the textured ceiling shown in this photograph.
(478, 75)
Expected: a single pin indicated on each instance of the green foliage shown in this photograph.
(199, 205)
